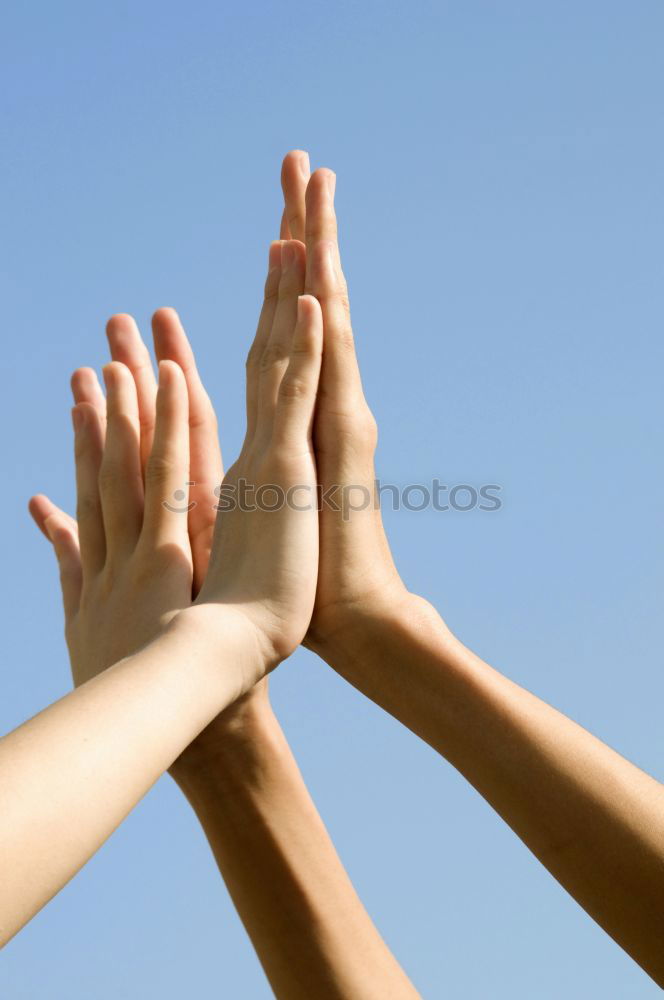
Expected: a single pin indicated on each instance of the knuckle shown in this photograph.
(271, 287)
(81, 449)
(340, 295)
(368, 430)
(343, 300)
(344, 338)
(296, 220)
(205, 417)
(323, 227)
(87, 508)
(271, 356)
(253, 357)
(355, 426)
(159, 469)
(288, 288)
(294, 387)
(302, 347)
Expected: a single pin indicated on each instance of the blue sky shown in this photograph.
(499, 191)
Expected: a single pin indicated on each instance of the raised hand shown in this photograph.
(125, 563)
(266, 561)
(131, 479)
(205, 465)
(357, 576)
(127, 574)
(552, 781)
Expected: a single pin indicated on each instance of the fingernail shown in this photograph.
(305, 165)
(331, 183)
(287, 255)
(77, 419)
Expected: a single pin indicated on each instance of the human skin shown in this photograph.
(311, 933)
(70, 775)
(592, 818)
(310, 930)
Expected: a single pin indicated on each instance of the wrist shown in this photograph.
(236, 743)
(364, 627)
(231, 639)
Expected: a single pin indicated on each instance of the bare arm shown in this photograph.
(71, 774)
(594, 820)
(305, 920)
(153, 669)
(591, 817)
(309, 929)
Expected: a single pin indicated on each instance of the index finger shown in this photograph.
(127, 347)
(295, 173)
(205, 466)
(321, 219)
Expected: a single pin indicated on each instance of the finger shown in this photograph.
(171, 344)
(295, 173)
(41, 508)
(120, 474)
(86, 389)
(297, 392)
(284, 228)
(205, 471)
(167, 472)
(60, 529)
(88, 451)
(265, 320)
(275, 356)
(127, 347)
(340, 383)
(340, 376)
(320, 217)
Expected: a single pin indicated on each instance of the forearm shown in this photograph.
(594, 820)
(71, 774)
(310, 930)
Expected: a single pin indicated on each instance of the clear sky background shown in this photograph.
(500, 195)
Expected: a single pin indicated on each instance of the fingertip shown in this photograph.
(308, 306)
(38, 506)
(120, 323)
(322, 181)
(108, 373)
(169, 372)
(83, 382)
(293, 252)
(298, 158)
(309, 324)
(113, 372)
(274, 255)
(170, 339)
(165, 314)
(330, 179)
(120, 319)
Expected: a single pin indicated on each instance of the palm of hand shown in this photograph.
(121, 611)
